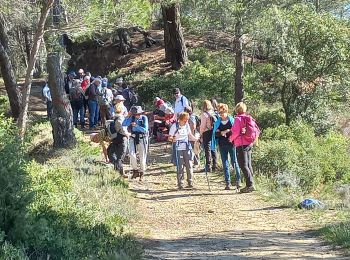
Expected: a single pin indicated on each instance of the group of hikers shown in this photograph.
(128, 129)
(96, 95)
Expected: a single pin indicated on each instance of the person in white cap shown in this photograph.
(119, 85)
(119, 99)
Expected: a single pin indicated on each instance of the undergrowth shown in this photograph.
(61, 204)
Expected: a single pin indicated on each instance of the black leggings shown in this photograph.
(209, 155)
(116, 153)
(244, 157)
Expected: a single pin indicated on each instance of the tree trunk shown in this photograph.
(8, 73)
(175, 48)
(239, 92)
(61, 121)
(62, 118)
(125, 44)
(22, 121)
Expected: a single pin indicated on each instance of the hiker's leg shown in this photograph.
(142, 148)
(180, 169)
(224, 158)
(249, 153)
(189, 166)
(75, 114)
(111, 153)
(120, 155)
(92, 111)
(81, 114)
(234, 163)
(206, 145)
(132, 154)
(103, 114)
(215, 159)
(242, 158)
(97, 113)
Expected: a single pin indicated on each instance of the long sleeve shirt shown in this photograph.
(141, 124)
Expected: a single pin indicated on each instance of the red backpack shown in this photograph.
(252, 129)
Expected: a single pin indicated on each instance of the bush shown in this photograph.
(207, 75)
(338, 234)
(294, 154)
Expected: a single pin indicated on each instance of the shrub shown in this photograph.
(338, 234)
(207, 75)
(295, 154)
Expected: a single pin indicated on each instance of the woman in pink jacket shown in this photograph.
(244, 133)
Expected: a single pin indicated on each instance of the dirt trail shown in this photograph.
(198, 224)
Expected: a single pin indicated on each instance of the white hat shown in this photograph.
(119, 97)
(119, 80)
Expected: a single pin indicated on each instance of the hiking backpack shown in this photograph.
(252, 129)
(102, 98)
(133, 98)
(111, 131)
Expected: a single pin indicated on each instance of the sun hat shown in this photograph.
(136, 110)
(119, 97)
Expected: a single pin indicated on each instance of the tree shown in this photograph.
(22, 121)
(175, 48)
(7, 71)
(62, 117)
(309, 52)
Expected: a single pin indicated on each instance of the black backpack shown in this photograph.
(112, 132)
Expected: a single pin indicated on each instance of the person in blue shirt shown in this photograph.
(138, 127)
(221, 137)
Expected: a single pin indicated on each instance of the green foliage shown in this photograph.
(57, 210)
(294, 157)
(338, 234)
(209, 74)
(309, 53)
(4, 104)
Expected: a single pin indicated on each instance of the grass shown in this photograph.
(80, 207)
(338, 235)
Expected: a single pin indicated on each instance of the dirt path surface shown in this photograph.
(198, 224)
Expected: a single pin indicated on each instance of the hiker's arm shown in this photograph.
(185, 102)
(138, 128)
(121, 129)
(127, 121)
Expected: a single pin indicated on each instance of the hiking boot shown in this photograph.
(227, 187)
(189, 186)
(248, 189)
(141, 175)
(180, 187)
(135, 174)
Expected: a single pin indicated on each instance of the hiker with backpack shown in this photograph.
(119, 140)
(69, 81)
(84, 85)
(105, 98)
(92, 92)
(194, 122)
(245, 132)
(208, 119)
(180, 134)
(119, 99)
(221, 137)
(137, 124)
(130, 96)
(76, 97)
(181, 102)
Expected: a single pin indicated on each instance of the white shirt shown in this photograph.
(180, 105)
(181, 136)
(47, 93)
